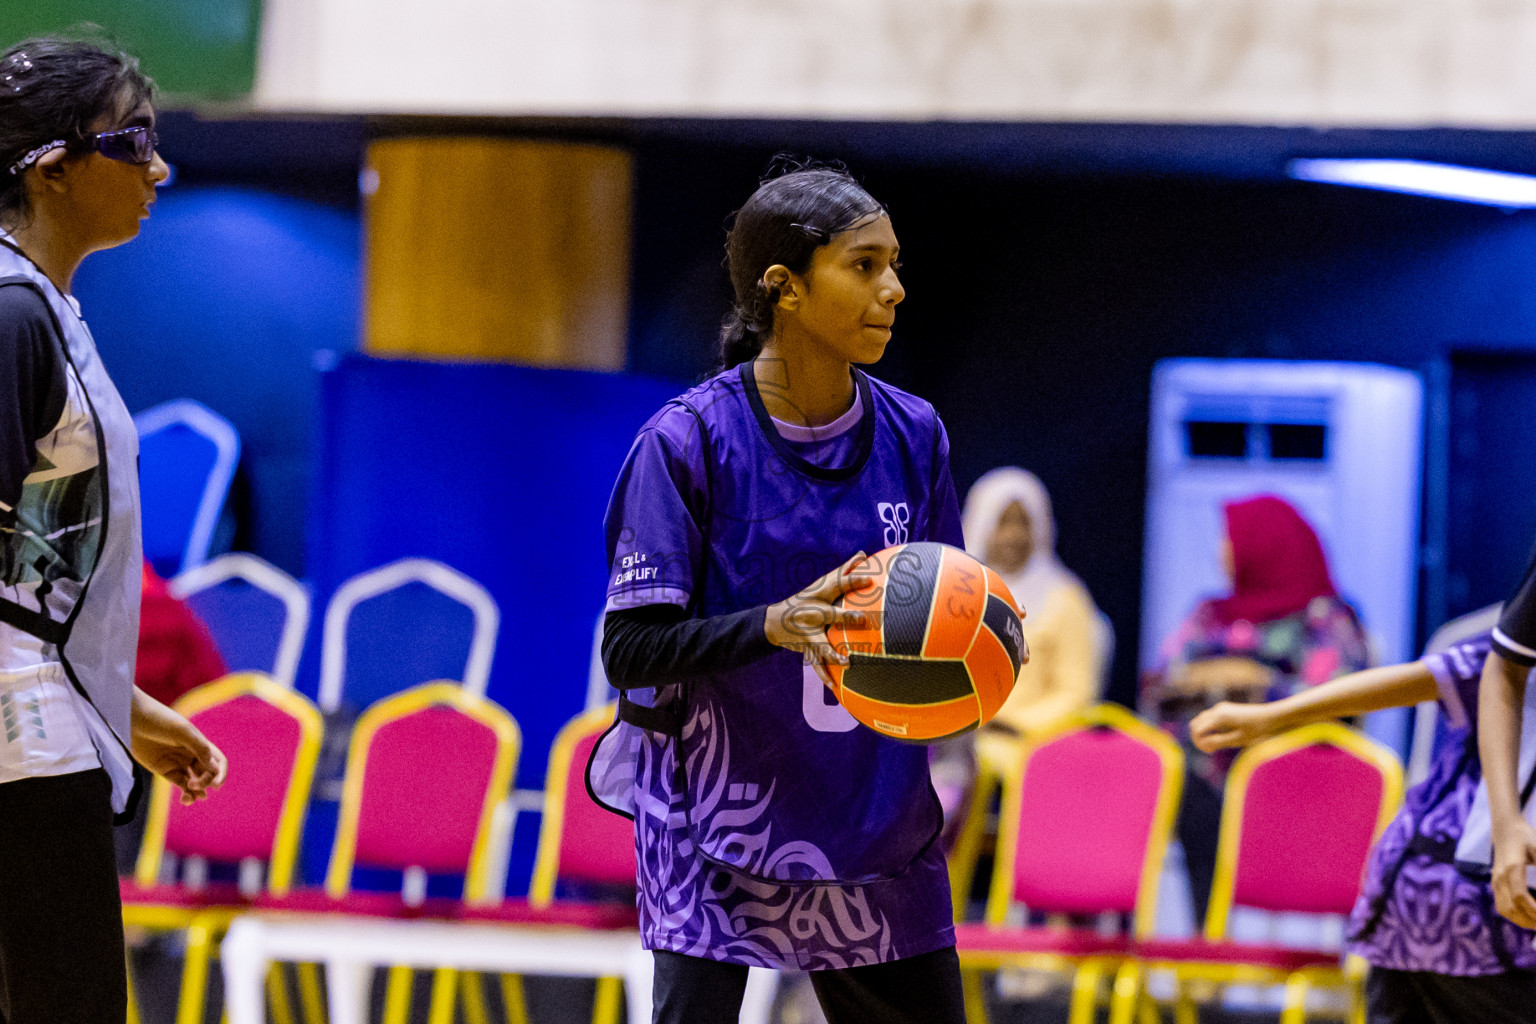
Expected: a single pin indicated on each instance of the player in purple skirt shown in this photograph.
(1426, 919)
(771, 829)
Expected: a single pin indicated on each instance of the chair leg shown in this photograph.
(1184, 1008)
(513, 1000)
(1125, 993)
(277, 995)
(1355, 971)
(962, 859)
(133, 1001)
(607, 1000)
(310, 996)
(1296, 988)
(445, 990)
(473, 986)
(194, 973)
(397, 995)
(1085, 991)
(975, 995)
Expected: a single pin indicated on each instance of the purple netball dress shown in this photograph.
(1416, 911)
(771, 829)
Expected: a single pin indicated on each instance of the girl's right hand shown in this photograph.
(1230, 725)
(1514, 848)
(800, 621)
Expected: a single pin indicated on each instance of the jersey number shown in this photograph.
(821, 711)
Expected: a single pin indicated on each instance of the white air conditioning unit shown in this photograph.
(1342, 442)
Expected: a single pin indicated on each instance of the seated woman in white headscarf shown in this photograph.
(1009, 526)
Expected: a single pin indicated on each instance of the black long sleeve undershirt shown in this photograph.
(33, 390)
(1515, 637)
(654, 644)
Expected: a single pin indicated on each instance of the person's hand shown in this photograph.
(800, 621)
(1514, 848)
(174, 749)
(1230, 725)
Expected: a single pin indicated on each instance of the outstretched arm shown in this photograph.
(1389, 686)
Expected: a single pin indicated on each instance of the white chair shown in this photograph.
(228, 593)
(187, 459)
(473, 676)
(376, 582)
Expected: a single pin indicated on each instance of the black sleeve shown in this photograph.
(1515, 635)
(654, 644)
(32, 393)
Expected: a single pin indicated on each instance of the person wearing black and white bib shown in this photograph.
(1508, 750)
(78, 172)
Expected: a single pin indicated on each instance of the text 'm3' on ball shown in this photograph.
(941, 648)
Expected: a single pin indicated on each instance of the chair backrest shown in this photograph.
(1086, 816)
(422, 620)
(578, 840)
(426, 770)
(1300, 815)
(271, 736)
(187, 458)
(257, 613)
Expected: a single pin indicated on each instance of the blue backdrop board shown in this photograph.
(230, 296)
(503, 473)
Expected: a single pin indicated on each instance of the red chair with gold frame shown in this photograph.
(1086, 818)
(1302, 811)
(579, 842)
(426, 770)
(272, 736)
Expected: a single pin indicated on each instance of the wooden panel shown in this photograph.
(498, 249)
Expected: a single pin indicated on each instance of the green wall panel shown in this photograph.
(203, 49)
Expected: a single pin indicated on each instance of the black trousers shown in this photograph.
(1421, 997)
(61, 919)
(917, 990)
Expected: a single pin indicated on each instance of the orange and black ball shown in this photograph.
(941, 649)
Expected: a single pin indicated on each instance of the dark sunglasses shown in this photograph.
(126, 145)
(134, 145)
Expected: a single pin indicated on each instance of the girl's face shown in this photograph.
(1012, 542)
(105, 199)
(846, 299)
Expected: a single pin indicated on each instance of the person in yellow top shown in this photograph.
(1008, 525)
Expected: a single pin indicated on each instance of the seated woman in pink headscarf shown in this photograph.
(1283, 628)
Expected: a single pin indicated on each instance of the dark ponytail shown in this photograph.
(796, 209)
(53, 89)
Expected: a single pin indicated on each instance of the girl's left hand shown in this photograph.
(174, 749)
(800, 622)
(1514, 850)
(1230, 725)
